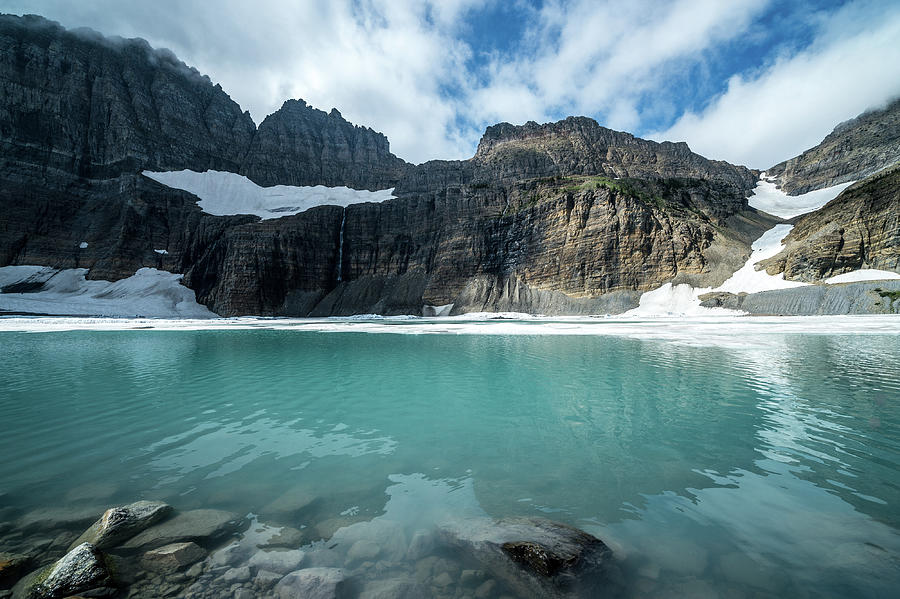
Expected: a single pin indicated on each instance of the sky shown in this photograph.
(753, 82)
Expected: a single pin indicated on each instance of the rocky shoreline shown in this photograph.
(149, 549)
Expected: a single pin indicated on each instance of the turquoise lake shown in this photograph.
(766, 470)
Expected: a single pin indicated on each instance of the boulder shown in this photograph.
(278, 561)
(171, 558)
(536, 557)
(53, 518)
(394, 588)
(311, 583)
(82, 569)
(12, 566)
(200, 526)
(119, 524)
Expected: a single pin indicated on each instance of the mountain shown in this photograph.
(564, 217)
(860, 229)
(854, 150)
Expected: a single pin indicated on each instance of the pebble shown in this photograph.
(233, 575)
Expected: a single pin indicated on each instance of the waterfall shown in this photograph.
(340, 264)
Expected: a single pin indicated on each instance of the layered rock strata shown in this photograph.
(537, 220)
(854, 150)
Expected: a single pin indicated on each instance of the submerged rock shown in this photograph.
(278, 561)
(82, 569)
(170, 558)
(201, 526)
(119, 524)
(311, 583)
(52, 518)
(12, 566)
(536, 557)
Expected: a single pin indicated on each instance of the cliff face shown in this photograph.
(858, 229)
(94, 107)
(299, 145)
(853, 151)
(536, 220)
(579, 146)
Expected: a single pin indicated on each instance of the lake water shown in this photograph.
(762, 462)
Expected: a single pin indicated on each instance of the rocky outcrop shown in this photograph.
(880, 297)
(858, 229)
(854, 150)
(118, 524)
(579, 146)
(299, 145)
(82, 569)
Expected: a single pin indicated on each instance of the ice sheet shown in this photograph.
(224, 194)
(768, 198)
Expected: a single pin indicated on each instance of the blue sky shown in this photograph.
(749, 81)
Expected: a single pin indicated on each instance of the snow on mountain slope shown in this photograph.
(148, 293)
(224, 194)
(768, 198)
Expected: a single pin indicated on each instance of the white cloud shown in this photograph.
(788, 108)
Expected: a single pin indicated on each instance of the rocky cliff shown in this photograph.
(538, 220)
(858, 229)
(854, 150)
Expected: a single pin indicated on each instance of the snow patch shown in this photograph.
(684, 300)
(162, 252)
(444, 310)
(768, 198)
(749, 280)
(83, 244)
(864, 274)
(148, 293)
(226, 194)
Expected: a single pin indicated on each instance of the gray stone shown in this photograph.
(286, 537)
(266, 580)
(119, 524)
(280, 561)
(289, 506)
(234, 575)
(170, 558)
(443, 579)
(12, 566)
(196, 525)
(51, 518)
(311, 583)
(80, 570)
(471, 578)
(395, 588)
(243, 593)
(363, 550)
(535, 557)
(421, 544)
(485, 589)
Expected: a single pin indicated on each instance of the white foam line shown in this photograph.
(736, 331)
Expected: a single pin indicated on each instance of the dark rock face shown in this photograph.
(299, 145)
(96, 107)
(858, 229)
(854, 150)
(534, 221)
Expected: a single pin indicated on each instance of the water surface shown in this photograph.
(761, 469)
